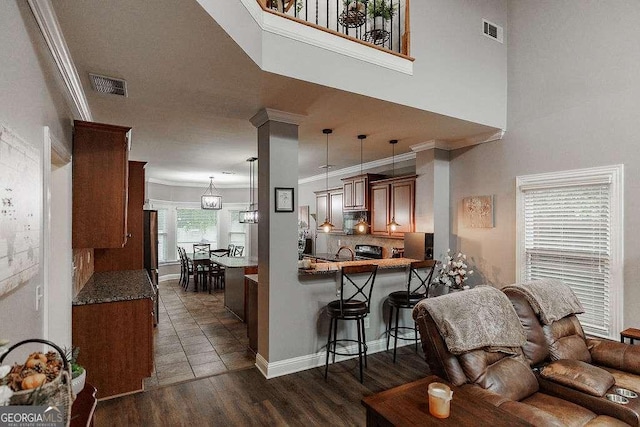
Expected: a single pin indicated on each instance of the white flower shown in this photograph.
(5, 395)
(464, 256)
(470, 272)
(465, 287)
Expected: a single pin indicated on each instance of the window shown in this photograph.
(196, 226)
(569, 227)
(162, 235)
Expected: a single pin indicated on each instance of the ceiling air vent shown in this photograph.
(104, 84)
(492, 30)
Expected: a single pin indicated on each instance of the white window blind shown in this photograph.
(570, 227)
(568, 237)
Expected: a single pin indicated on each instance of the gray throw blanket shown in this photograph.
(550, 299)
(481, 317)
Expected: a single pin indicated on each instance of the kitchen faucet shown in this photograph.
(353, 255)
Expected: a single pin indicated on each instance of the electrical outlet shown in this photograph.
(367, 323)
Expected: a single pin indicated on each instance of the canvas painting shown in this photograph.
(478, 211)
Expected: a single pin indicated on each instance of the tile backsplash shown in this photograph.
(335, 241)
(82, 268)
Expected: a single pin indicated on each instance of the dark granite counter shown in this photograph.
(333, 267)
(112, 286)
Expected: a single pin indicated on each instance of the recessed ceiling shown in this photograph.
(192, 90)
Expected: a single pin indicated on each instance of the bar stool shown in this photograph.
(407, 299)
(352, 305)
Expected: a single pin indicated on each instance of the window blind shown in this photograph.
(567, 236)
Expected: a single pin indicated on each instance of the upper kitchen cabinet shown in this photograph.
(393, 198)
(329, 206)
(356, 192)
(100, 184)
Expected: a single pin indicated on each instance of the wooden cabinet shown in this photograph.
(100, 184)
(329, 206)
(116, 344)
(131, 256)
(393, 198)
(356, 192)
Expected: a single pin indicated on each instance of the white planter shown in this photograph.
(77, 384)
(379, 23)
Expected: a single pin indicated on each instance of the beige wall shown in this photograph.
(573, 102)
(30, 98)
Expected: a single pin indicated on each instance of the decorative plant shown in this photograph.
(453, 272)
(72, 359)
(353, 5)
(382, 8)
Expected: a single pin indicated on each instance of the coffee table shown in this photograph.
(408, 405)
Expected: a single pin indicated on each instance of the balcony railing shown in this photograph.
(381, 23)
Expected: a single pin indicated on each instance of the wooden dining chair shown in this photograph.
(199, 248)
(238, 251)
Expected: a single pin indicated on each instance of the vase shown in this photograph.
(77, 383)
(379, 23)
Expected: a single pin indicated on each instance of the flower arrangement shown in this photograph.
(453, 271)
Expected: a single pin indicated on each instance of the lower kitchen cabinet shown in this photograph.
(116, 344)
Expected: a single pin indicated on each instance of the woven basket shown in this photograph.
(54, 393)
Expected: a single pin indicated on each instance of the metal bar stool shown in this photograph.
(422, 271)
(352, 305)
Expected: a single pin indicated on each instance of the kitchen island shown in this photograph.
(331, 267)
(234, 272)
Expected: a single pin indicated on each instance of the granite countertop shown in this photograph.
(113, 286)
(252, 277)
(333, 267)
(235, 261)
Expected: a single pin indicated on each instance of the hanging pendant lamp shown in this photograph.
(211, 201)
(362, 225)
(393, 225)
(250, 216)
(326, 226)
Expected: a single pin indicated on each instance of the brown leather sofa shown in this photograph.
(576, 368)
(504, 380)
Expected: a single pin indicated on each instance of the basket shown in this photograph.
(54, 393)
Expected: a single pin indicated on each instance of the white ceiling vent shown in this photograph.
(104, 84)
(492, 30)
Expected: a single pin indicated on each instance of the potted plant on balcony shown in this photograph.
(354, 13)
(381, 11)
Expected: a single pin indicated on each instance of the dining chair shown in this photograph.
(238, 251)
(199, 248)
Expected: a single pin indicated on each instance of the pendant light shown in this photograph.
(362, 224)
(393, 225)
(326, 225)
(211, 201)
(250, 216)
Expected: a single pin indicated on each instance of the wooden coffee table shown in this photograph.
(408, 405)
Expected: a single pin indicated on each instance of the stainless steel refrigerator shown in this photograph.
(418, 245)
(151, 254)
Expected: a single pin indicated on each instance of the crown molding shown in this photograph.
(48, 22)
(460, 143)
(269, 114)
(356, 168)
(193, 184)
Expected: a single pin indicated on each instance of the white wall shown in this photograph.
(574, 98)
(30, 98)
(457, 72)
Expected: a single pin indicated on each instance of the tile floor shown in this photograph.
(196, 337)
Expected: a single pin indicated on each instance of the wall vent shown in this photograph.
(492, 30)
(104, 84)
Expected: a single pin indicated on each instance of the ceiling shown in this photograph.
(192, 91)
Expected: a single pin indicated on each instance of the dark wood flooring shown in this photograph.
(246, 398)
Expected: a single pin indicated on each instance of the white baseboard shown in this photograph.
(167, 277)
(310, 361)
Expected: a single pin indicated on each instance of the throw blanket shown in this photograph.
(550, 299)
(481, 317)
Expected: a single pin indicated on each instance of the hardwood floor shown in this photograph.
(246, 398)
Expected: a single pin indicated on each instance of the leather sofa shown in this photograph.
(502, 379)
(579, 369)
